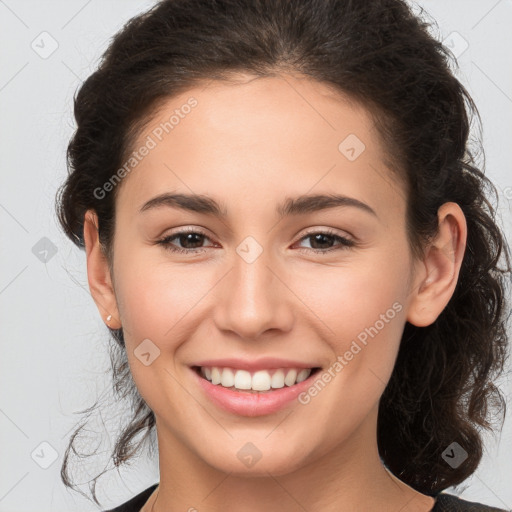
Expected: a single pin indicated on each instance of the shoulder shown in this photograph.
(450, 503)
(444, 503)
(136, 503)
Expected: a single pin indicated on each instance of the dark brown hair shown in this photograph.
(382, 55)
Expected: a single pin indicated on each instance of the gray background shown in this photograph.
(53, 358)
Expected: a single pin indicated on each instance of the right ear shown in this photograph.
(98, 273)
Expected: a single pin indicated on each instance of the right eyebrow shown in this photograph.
(191, 202)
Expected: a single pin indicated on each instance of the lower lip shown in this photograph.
(252, 404)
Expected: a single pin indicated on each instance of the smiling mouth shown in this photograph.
(261, 381)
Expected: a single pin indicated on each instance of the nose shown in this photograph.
(254, 299)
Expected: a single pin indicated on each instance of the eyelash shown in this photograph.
(345, 243)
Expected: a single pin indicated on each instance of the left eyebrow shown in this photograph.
(312, 203)
(290, 206)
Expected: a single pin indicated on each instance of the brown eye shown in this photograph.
(190, 241)
(322, 241)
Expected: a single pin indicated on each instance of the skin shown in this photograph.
(249, 145)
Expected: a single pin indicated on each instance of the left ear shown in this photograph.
(436, 281)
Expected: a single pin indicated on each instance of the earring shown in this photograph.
(109, 317)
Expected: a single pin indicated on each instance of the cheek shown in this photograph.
(156, 303)
(361, 307)
(354, 295)
(159, 300)
(362, 313)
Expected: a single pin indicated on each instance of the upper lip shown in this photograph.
(264, 363)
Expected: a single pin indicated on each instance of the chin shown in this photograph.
(248, 461)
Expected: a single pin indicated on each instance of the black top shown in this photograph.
(444, 503)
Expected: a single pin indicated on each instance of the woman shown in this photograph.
(292, 246)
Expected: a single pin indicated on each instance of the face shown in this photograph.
(268, 284)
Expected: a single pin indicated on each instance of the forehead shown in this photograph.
(258, 137)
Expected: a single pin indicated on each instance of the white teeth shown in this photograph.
(242, 380)
(278, 379)
(291, 377)
(303, 375)
(216, 378)
(261, 380)
(227, 378)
